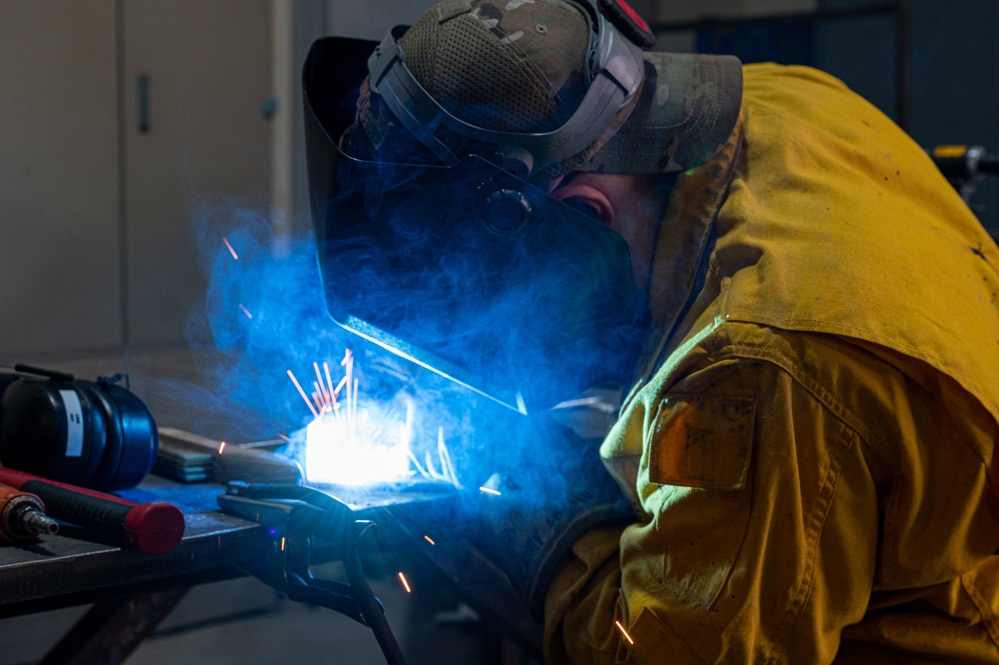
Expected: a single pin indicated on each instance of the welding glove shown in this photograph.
(542, 508)
(506, 538)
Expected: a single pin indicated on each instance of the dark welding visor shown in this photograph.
(466, 269)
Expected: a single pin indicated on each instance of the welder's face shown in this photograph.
(466, 270)
(626, 204)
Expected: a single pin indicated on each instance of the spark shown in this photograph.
(329, 381)
(282, 543)
(594, 402)
(350, 443)
(231, 250)
(405, 584)
(302, 393)
(246, 311)
(318, 400)
(624, 632)
(348, 364)
(429, 540)
(221, 447)
(321, 385)
(220, 542)
(447, 473)
(489, 490)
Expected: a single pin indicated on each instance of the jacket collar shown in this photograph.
(683, 245)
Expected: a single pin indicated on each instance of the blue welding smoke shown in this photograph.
(264, 312)
(482, 276)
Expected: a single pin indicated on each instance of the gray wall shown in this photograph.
(953, 77)
(373, 18)
(955, 83)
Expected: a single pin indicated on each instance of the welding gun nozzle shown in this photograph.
(38, 522)
(22, 516)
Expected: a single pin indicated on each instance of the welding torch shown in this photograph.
(22, 516)
(153, 528)
(296, 514)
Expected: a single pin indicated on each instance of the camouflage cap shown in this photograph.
(507, 65)
(524, 66)
(687, 110)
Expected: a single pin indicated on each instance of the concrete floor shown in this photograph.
(243, 622)
(237, 621)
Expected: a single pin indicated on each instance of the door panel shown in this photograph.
(59, 193)
(195, 136)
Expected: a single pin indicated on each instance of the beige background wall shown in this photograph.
(96, 248)
(60, 241)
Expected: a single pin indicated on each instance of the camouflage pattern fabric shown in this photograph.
(688, 108)
(516, 66)
(520, 66)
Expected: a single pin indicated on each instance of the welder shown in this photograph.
(807, 431)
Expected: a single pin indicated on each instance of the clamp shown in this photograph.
(294, 517)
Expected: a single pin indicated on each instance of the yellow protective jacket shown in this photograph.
(811, 449)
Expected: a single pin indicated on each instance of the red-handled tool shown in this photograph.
(153, 528)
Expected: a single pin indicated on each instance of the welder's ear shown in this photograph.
(587, 199)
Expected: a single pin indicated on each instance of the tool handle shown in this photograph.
(989, 164)
(152, 528)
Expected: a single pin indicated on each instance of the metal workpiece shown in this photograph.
(187, 457)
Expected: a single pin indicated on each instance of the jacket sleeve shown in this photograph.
(760, 532)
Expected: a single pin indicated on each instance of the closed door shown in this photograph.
(197, 78)
(60, 251)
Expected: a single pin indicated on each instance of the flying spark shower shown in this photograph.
(346, 444)
(268, 319)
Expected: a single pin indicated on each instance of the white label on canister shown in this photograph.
(74, 423)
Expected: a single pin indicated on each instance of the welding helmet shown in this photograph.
(453, 254)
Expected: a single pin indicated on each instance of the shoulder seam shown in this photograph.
(817, 390)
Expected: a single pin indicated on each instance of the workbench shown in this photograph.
(130, 591)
